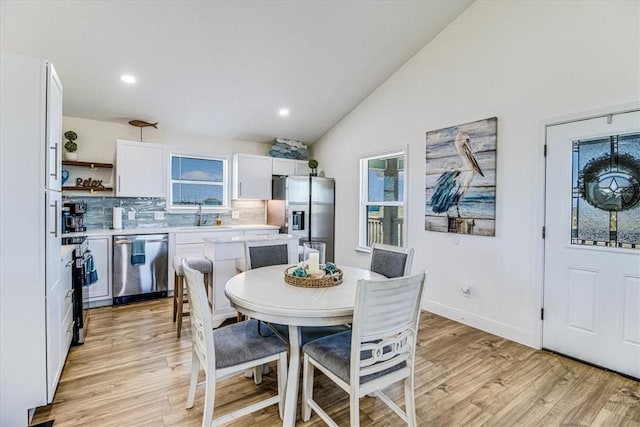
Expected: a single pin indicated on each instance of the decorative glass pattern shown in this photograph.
(606, 191)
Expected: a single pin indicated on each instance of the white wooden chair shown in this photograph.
(377, 352)
(227, 351)
(391, 261)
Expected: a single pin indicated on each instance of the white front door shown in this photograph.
(592, 218)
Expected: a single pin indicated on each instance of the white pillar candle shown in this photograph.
(314, 263)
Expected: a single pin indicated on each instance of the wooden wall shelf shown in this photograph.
(92, 165)
(91, 190)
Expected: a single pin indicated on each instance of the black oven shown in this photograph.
(80, 280)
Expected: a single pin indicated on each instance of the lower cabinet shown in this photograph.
(224, 266)
(59, 324)
(100, 293)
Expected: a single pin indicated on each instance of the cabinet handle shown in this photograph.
(69, 264)
(55, 224)
(55, 148)
(69, 293)
(239, 189)
(119, 185)
(70, 326)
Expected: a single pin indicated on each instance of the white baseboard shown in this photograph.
(479, 322)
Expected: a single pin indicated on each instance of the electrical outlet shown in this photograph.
(158, 215)
(235, 214)
(466, 291)
(131, 215)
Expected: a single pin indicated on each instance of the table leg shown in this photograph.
(291, 397)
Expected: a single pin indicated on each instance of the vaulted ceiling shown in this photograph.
(223, 69)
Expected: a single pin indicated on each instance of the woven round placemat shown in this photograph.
(325, 281)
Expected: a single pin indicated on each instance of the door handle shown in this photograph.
(55, 213)
(55, 149)
(239, 189)
(70, 327)
(127, 242)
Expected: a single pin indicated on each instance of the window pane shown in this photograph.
(384, 225)
(386, 179)
(192, 169)
(193, 194)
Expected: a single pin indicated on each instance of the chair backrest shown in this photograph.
(385, 324)
(261, 253)
(201, 324)
(391, 261)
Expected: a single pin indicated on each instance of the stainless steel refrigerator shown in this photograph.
(304, 206)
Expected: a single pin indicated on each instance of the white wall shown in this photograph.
(524, 62)
(97, 140)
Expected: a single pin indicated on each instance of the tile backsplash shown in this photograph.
(100, 213)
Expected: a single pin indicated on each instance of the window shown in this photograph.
(198, 180)
(383, 199)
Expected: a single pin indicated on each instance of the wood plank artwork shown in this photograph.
(132, 371)
(460, 190)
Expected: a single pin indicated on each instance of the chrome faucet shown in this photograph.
(201, 221)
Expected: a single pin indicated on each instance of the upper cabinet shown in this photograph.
(140, 169)
(251, 177)
(54, 129)
(290, 167)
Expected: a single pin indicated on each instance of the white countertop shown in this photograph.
(184, 229)
(232, 239)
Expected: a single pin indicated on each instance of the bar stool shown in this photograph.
(197, 262)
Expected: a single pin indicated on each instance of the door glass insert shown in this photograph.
(606, 191)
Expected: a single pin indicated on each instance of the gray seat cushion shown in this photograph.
(240, 342)
(334, 353)
(389, 264)
(195, 261)
(263, 256)
(310, 333)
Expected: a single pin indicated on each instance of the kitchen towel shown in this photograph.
(117, 218)
(138, 252)
(92, 273)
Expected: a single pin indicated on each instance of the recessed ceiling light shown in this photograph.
(128, 78)
(283, 112)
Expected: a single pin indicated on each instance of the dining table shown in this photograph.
(263, 294)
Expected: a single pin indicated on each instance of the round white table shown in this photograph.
(263, 294)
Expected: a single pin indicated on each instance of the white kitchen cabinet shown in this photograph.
(100, 293)
(251, 177)
(192, 242)
(290, 167)
(302, 167)
(283, 166)
(140, 169)
(59, 316)
(31, 105)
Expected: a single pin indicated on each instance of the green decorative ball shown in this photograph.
(313, 163)
(70, 146)
(71, 135)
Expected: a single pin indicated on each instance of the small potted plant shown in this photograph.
(313, 165)
(70, 145)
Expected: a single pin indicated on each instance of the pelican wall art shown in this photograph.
(461, 178)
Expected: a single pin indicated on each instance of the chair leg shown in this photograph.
(282, 382)
(354, 404)
(257, 374)
(175, 296)
(307, 388)
(409, 401)
(209, 398)
(180, 303)
(193, 384)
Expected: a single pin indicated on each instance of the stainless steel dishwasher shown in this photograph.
(140, 267)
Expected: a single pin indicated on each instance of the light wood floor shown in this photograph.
(132, 371)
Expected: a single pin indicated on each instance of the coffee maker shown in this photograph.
(73, 217)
